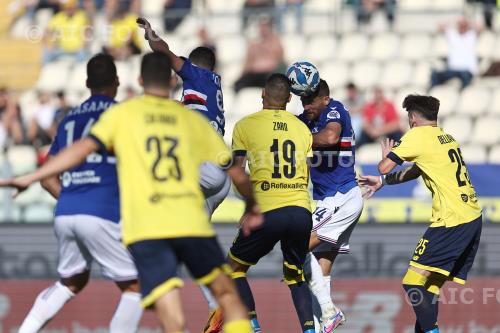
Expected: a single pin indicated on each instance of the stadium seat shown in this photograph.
(218, 27)
(485, 44)
(151, 8)
(224, 6)
(368, 154)
(494, 155)
(447, 5)
(248, 100)
(412, 5)
(447, 96)
(415, 46)
(30, 196)
(422, 75)
(28, 103)
(496, 49)
(317, 24)
(10, 214)
(22, 159)
(366, 74)
(77, 78)
(54, 76)
(494, 106)
(473, 100)
(396, 74)
(474, 154)
(335, 73)
(384, 46)
(439, 47)
(320, 48)
(38, 213)
(352, 47)
(124, 72)
(459, 127)
(231, 49)
(486, 131)
(321, 5)
(230, 73)
(294, 47)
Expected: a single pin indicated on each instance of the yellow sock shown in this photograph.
(238, 326)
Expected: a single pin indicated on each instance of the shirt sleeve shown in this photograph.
(189, 71)
(406, 149)
(104, 130)
(239, 146)
(335, 116)
(54, 147)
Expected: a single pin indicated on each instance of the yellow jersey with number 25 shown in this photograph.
(438, 156)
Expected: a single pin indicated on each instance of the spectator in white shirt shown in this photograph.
(462, 60)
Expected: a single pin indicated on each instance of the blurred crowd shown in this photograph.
(69, 31)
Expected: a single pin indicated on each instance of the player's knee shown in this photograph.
(292, 274)
(431, 281)
(77, 282)
(238, 267)
(128, 286)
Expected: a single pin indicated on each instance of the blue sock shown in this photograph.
(302, 300)
(255, 324)
(425, 305)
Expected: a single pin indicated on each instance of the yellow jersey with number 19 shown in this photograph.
(277, 145)
(438, 156)
(159, 145)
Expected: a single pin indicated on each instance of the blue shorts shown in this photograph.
(157, 262)
(291, 226)
(449, 251)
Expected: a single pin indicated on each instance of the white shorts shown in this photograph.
(215, 184)
(335, 218)
(84, 238)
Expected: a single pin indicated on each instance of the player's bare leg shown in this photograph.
(128, 313)
(168, 309)
(234, 312)
(51, 300)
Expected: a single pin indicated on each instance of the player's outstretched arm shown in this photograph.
(159, 45)
(374, 183)
(252, 218)
(68, 158)
(386, 165)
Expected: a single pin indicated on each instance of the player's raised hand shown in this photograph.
(251, 220)
(155, 42)
(20, 184)
(386, 146)
(371, 184)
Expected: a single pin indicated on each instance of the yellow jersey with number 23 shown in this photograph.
(159, 145)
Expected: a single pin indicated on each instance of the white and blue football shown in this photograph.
(303, 77)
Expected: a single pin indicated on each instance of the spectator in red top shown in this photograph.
(380, 120)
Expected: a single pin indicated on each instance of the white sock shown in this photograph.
(127, 315)
(318, 287)
(212, 303)
(47, 305)
(328, 284)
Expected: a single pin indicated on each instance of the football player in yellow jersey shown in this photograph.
(448, 247)
(276, 145)
(159, 147)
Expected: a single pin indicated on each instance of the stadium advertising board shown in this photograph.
(371, 306)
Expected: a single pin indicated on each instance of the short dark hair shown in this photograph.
(322, 90)
(427, 106)
(101, 71)
(204, 57)
(351, 85)
(156, 70)
(277, 88)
